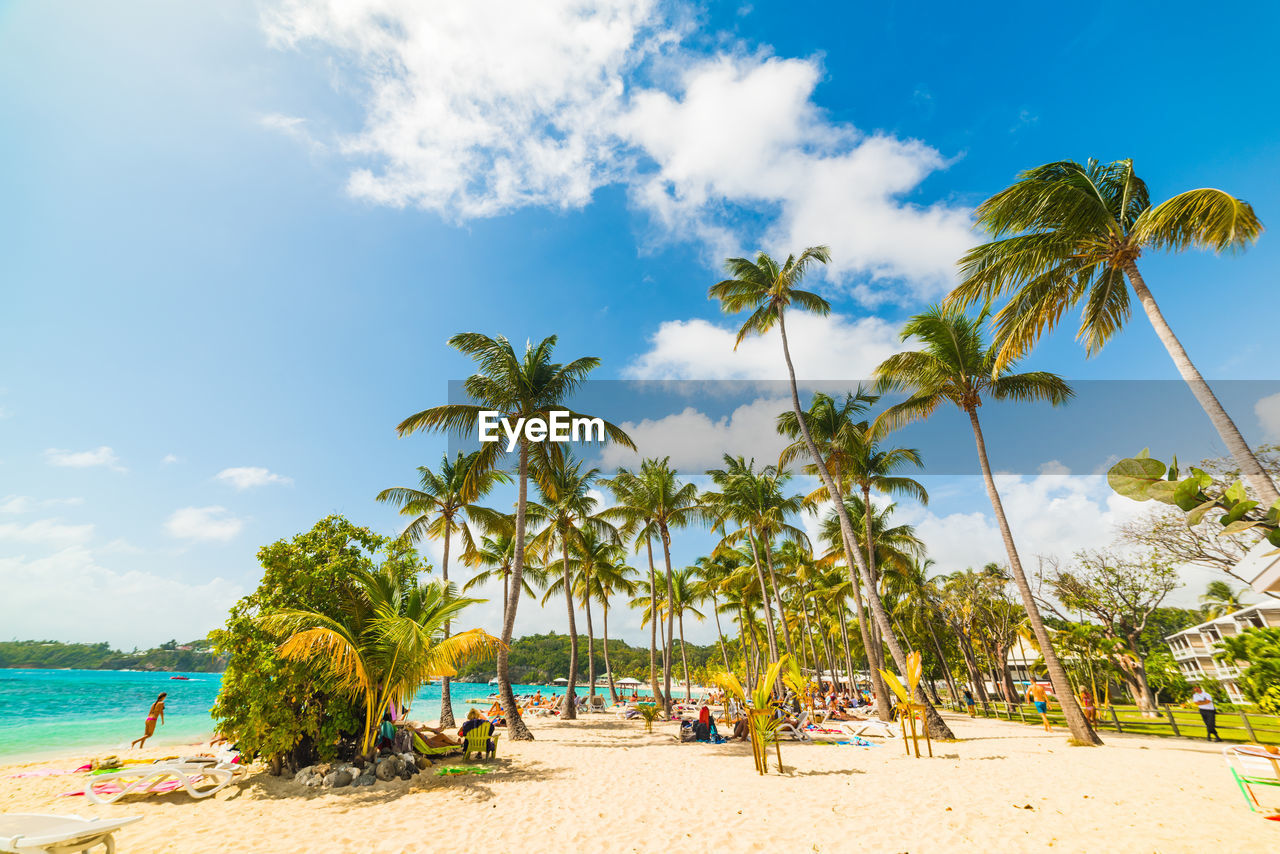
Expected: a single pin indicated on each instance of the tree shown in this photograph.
(1259, 649)
(653, 502)
(516, 388)
(494, 556)
(1120, 593)
(386, 639)
(1165, 678)
(268, 704)
(956, 367)
(768, 289)
(1067, 233)
(684, 596)
(434, 508)
(1220, 599)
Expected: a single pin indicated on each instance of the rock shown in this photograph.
(387, 768)
(365, 779)
(337, 779)
(422, 762)
(410, 761)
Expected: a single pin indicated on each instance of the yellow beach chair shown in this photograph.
(478, 742)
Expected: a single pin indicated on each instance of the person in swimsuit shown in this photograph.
(968, 702)
(156, 713)
(1040, 698)
(1087, 705)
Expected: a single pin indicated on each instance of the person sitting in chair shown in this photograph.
(475, 720)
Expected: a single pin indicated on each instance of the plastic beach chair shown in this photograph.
(797, 731)
(1252, 766)
(197, 779)
(34, 833)
(478, 742)
(873, 727)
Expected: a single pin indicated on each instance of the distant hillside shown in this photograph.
(537, 659)
(192, 657)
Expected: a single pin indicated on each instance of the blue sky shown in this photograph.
(237, 236)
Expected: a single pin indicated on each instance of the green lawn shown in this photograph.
(1231, 725)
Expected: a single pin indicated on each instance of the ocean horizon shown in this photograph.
(53, 712)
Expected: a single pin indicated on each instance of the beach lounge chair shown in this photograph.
(1252, 766)
(596, 703)
(873, 727)
(197, 779)
(796, 730)
(34, 833)
(478, 742)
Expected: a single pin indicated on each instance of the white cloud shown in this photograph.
(204, 523)
(102, 456)
(245, 477)
(1268, 411)
(745, 132)
(169, 459)
(697, 443)
(475, 109)
(25, 503)
(835, 347)
(46, 532)
(70, 597)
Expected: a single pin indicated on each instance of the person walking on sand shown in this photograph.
(1088, 706)
(1208, 713)
(1039, 697)
(968, 702)
(156, 713)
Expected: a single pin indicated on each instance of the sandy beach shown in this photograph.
(602, 785)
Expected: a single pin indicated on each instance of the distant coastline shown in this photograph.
(191, 657)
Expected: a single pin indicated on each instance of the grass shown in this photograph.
(1231, 726)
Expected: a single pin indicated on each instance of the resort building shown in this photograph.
(1193, 649)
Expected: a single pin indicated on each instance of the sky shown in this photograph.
(237, 235)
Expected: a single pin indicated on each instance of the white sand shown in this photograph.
(601, 785)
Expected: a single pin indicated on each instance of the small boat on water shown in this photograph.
(182, 678)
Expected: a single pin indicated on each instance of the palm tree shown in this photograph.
(1219, 600)
(434, 507)
(607, 575)
(956, 367)
(684, 596)
(714, 572)
(494, 556)
(654, 502)
(1066, 233)
(768, 289)
(387, 640)
(567, 510)
(514, 387)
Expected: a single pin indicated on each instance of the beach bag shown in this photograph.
(403, 742)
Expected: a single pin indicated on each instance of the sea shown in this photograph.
(57, 712)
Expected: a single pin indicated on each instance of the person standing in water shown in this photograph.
(1040, 698)
(156, 713)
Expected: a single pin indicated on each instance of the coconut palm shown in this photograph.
(956, 367)
(653, 502)
(435, 507)
(714, 572)
(768, 289)
(607, 576)
(386, 641)
(493, 556)
(1068, 233)
(684, 598)
(515, 387)
(567, 509)
(1220, 599)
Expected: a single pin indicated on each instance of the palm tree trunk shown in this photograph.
(591, 648)
(608, 668)
(446, 702)
(1263, 487)
(570, 698)
(777, 597)
(942, 662)
(936, 723)
(653, 623)
(684, 658)
(850, 679)
(764, 595)
(516, 728)
(666, 658)
(724, 652)
(1076, 722)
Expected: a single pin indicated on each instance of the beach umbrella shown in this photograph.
(628, 682)
(561, 682)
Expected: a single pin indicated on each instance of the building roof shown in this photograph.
(1266, 607)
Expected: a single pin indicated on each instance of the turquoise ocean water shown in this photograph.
(57, 712)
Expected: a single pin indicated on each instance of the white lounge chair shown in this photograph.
(35, 833)
(596, 703)
(199, 780)
(873, 727)
(796, 731)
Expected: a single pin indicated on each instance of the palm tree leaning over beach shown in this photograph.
(768, 289)
(956, 367)
(1066, 232)
(435, 507)
(516, 387)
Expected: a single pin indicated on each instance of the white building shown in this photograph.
(1262, 564)
(1193, 649)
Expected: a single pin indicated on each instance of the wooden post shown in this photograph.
(1114, 718)
(1173, 723)
(1020, 714)
(1247, 726)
